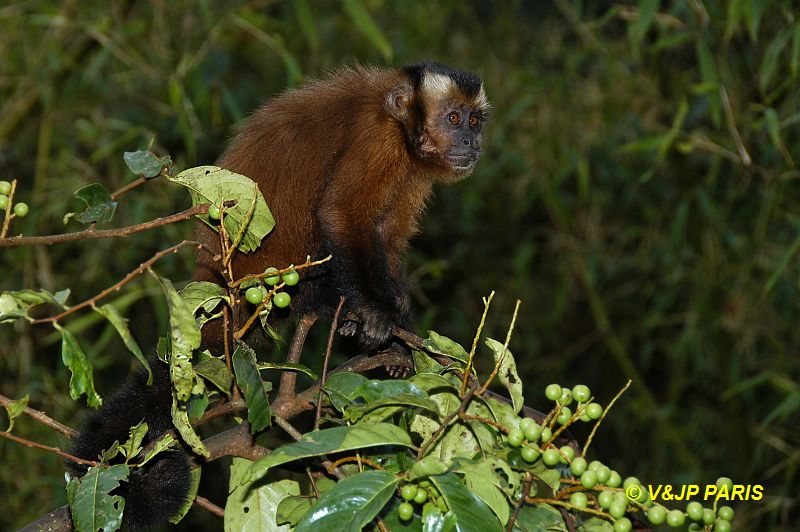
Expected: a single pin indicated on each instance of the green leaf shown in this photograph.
(709, 75)
(429, 465)
(254, 505)
(375, 394)
(351, 504)
(14, 305)
(753, 10)
(445, 346)
(14, 409)
(794, 59)
(424, 363)
(203, 294)
(216, 372)
(539, 517)
(91, 505)
(432, 381)
(334, 440)
(131, 448)
(146, 163)
(292, 509)
(286, 366)
(100, 206)
(472, 514)
(212, 184)
(458, 439)
(368, 27)
(162, 444)
(184, 339)
(180, 418)
(482, 480)
(595, 524)
(647, 9)
(81, 381)
(306, 21)
(120, 323)
(507, 373)
(256, 391)
(340, 385)
(769, 63)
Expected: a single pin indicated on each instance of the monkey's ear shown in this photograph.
(398, 101)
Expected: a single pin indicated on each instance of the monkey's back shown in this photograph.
(294, 147)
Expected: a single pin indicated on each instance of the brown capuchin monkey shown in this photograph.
(346, 165)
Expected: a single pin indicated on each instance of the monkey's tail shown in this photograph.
(156, 492)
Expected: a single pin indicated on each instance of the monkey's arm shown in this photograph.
(363, 270)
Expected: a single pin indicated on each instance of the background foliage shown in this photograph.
(638, 192)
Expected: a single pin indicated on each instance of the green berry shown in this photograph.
(578, 466)
(291, 278)
(21, 209)
(595, 465)
(675, 518)
(409, 491)
(579, 499)
(725, 512)
(695, 527)
(581, 393)
(421, 496)
(631, 481)
(213, 212)
(553, 392)
(529, 454)
(3, 202)
(272, 280)
(709, 516)
(5, 188)
(515, 438)
(614, 480)
(547, 434)
(589, 479)
(603, 474)
(594, 411)
(526, 423)
(657, 515)
(405, 511)
(564, 416)
(254, 295)
(424, 483)
(617, 508)
(725, 481)
(281, 299)
(566, 397)
(722, 525)
(550, 457)
(531, 430)
(567, 451)
(623, 524)
(605, 498)
(695, 511)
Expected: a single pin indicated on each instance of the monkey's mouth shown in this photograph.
(462, 163)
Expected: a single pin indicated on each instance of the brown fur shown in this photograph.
(346, 165)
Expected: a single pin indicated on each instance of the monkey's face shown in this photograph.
(451, 138)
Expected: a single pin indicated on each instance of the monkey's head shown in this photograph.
(442, 111)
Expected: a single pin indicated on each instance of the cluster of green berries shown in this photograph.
(580, 394)
(422, 493)
(20, 209)
(256, 294)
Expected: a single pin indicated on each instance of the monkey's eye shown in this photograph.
(453, 118)
(473, 121)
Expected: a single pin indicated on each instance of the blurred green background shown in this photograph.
(638, 191)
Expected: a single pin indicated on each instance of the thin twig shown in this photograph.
(294, 433)
(503, 354)
(128, 278)
(56, 450)
(737, 138)
(124, 189)
(569, 506)
(242, 228)
(204, 503)
(486, 302)
(446, 423)
(359, 459)
(286, 388)
(605, 412)
(44, 419)
(9, 213)
(521, 502)
(328, 349)
(89, 234)
(308, 263)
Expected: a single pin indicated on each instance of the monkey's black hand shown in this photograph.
(371, 324)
